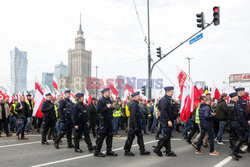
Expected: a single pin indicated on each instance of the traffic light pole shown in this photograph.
(149, 55)
(151, 69)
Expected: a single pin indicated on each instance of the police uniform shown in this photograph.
(80, 119)
(106, 125)
(66, 123)
(168, 113)
(238, 127)
(135, 128)
(49, 120)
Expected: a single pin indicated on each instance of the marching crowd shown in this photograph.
(104, 117)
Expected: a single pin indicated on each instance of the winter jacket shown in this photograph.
(221, 110)
(206, 118)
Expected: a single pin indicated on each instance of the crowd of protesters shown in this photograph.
(209, 120)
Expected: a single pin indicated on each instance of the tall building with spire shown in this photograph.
(79, 65)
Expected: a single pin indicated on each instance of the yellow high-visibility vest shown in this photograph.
(32, 106)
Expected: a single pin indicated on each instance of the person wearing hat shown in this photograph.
(167, 109)
(29, 101)
(80, 123)
(135, 127)
(49, 119)
(65, 118)
(237, 126)
(105, 109)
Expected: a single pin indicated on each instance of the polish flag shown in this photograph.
(113, 90)
(39, 99)
(190, 95)
(38, 86)
(129, 88)
(88, 96)
(72, 96)
(215, 93)
(200, 88)
(55, 83)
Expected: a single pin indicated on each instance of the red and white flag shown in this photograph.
(215, 93)
(39, 99)
(55, 83)
(129, 88)
(190, 95)
(113, 90)
(88, 96)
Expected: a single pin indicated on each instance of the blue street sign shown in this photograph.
(198, 37)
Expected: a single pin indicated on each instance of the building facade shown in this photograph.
(19, 66)
(120, 85)
(47, 79)
(79, 65)
(61, 70)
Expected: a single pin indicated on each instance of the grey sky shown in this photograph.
(46, 30)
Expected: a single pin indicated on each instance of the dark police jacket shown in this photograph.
(65, 109)
(235, 115)
(48, 110)
(169, 110)
(135, 116)
(79, 114)
(105, 113)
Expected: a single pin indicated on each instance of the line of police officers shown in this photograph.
(74, 116)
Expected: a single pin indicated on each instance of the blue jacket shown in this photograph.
(206, 118)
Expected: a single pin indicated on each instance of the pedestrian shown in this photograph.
(93, 117)
(248, 118)
(49, 119)
(105, 110)
(144, 113)
(135, 127)
(206, 123)
(29, 101)
(22, 110)
(221, 116)
(117, 114)
(80, 119)
(13, 116)
(4, 117)
(168, 108)
(65, 117)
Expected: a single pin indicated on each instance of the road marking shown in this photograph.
(226, 160)
(84, 156)
(21, 144)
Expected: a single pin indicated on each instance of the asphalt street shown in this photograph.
(31, 153)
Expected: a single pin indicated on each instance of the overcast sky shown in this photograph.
(46, 29)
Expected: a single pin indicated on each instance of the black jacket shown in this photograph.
(65, 109)
(92, 113)
(105, 113)
(79, 114)
(48, 110)
(135, 116)
(221, 110)
(24, 112)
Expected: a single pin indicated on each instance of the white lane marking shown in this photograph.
(21, 144)
(84, 156)
(226, 160)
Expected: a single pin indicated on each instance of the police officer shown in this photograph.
(135, 127)
(65, 118)
(243, 105)
(237, 124)
(80, 123)
(105, 110)
(49, 119)
(168, 114)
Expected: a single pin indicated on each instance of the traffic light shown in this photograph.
(200, 20)
(144, 90)
(216, 15)
(158, 52)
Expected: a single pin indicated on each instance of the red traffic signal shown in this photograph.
(216, 15)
